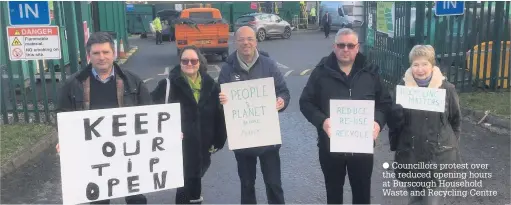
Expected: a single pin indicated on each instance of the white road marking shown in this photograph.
(145, 81)
(305, 71)
(218, 68)
(288, 72)
(213, 68)
(166, 71)
(280, 65)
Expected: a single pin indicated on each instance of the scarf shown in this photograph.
(246, 66)
(195, 86)
(423, 82)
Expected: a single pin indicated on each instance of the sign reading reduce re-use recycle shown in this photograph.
(33, 43)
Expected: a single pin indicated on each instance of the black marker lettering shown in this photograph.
(91, 128)
(100, 168)
(137, 149)
(112, 149)
(152, 162)
(162, 116)
(131, 186)
(138, 124)
(157, 183)
(116, 124)
(157, 141)
(92, 191)
(111, 183)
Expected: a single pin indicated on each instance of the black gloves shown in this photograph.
(397, 117)
(395, 123)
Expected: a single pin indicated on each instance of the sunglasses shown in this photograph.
(186, 61)
(343, 45)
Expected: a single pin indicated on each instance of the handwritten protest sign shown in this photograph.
(418, 98)
(113, 153)
(351, 124)
(251, 116)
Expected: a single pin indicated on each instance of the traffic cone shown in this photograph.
(122, 54)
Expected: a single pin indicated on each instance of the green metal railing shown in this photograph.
(472, 50)
(29, 88)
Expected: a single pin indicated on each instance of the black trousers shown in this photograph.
(190, 193)
(360, 169)
(135, 199)
(326, 29)
(270, 167)
(159, 38)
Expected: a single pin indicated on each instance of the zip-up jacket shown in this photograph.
(328, 82)
(131, 90)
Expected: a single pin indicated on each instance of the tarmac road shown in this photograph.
(38, 182)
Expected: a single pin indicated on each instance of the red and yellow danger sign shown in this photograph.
(34, 31)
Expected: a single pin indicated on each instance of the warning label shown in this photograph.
(34, 43)
(16, 42)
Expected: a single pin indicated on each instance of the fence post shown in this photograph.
(496, 48)
(12, 84)
(80, 34)
(71, 31)
(420, 15)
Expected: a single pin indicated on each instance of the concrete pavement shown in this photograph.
(38, 182)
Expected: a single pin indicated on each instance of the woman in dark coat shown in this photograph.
(202, 118)
(424, 138)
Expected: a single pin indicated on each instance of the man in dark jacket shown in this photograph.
(344, 74)
(247, 63)
(327, 21)
(103, 84)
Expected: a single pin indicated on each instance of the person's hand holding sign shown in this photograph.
(376, 130)
(280, 103)
(326, 126)
(223, 98)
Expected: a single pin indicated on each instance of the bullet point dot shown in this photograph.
(385, 165)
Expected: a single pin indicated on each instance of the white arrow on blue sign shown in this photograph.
(29, 13)
(449, 8)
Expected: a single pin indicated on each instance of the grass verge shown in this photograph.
(14, 137)
(497, 102)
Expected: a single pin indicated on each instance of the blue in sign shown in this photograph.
(29, 13)
(130, 7)
(449, 8)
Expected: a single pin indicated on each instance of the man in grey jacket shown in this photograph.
(247, 63)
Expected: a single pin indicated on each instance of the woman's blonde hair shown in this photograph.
(426, 51)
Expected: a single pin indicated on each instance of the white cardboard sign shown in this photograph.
(419, 98)
(33, 43)
(352, 123)
(118, 152)
(251, 116)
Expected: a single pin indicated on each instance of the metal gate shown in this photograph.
(472, 49)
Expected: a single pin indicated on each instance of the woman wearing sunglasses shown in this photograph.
(202, 118)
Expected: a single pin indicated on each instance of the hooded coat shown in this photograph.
(202, 123)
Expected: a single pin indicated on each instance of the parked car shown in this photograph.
(265, 25)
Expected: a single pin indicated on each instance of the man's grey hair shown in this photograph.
(344, 32)
(100, 38)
